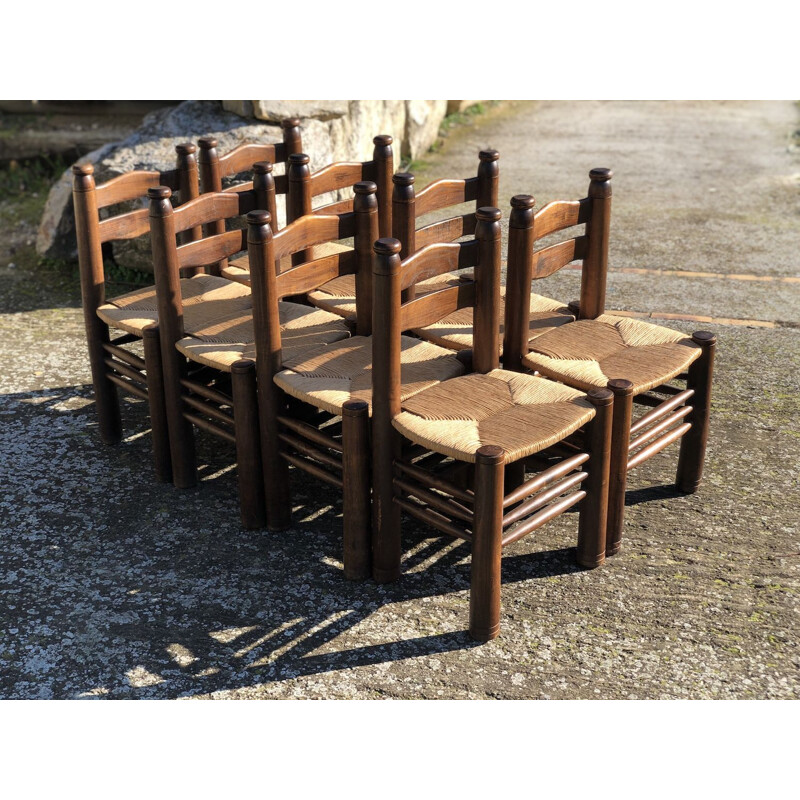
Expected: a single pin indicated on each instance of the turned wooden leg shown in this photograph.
(618, 478)
(693, 444)
(594, 509)
(106, 399)
(386, 514)
(271, 403)
(155, 399)
(487, 534)
(356, 491)
(248, 445)
(181, 433)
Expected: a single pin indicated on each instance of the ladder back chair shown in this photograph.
(332, 385)
(455, 330)
(134, 313)
(208, 341)
(339, 296)
(489, 420)
(215, 168)
(641, 363)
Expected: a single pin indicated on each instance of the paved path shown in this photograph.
(114, 586)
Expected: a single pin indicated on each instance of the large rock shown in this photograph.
(333, 130)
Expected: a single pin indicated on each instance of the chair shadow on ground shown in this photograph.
(175, 591)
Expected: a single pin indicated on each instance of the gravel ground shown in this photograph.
(117, 587)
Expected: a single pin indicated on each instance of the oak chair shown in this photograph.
(491, 421)
(302, 186)
(113, 365)
(407, 207)
(208, 342)
(639, 362)
(215, 168)
(315, 406)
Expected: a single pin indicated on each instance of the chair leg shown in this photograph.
(693, 444)
(181, 433)
(106, 398)
(487, 534)
(618, 478)
(356, 491)
(157, 407)
(277, 496)
(248, 445)
(386, 514)
(594, 509)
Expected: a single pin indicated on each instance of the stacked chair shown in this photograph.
(370, 343)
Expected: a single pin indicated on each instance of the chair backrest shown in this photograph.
(269, 286)
(92, 232)
(171, 259)
(304, 186)
(392, 275)
(526, 263)
(408, 205)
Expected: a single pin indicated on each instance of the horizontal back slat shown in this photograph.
(125, 226)
(550, 259)
(336, 176)
(239, 187)
(339, 207)
(212, 206)
(430, 308)
(436, 259)
(313, 274)
(310, 230)
(212, 249)
(444, 193)
(133, 185)
(561, 214)
(447, 230)
(242, 158)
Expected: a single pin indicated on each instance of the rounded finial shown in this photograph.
(383, 140)
(620, 386)
(259, 217)
(365, 187)
(298, 158)
(290, 122)
(704, 337)
(600, 396)
(403, 179)
(600, 174)
(185, 148)
(386, 246)
(82, 169)
(489, 155)
(262, 167)
(207, 143)
(488, 214)
(490, 454)
(523, 201)
(159, 192)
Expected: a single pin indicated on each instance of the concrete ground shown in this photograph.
(114, 586)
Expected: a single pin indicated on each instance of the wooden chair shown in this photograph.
(315, 406)
(208, 341)
(112, 365)
(302, 187)
(215, 168)
(638, 361)
(491, 421)
(339, 296)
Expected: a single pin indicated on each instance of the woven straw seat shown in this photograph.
(203, 296)
(221, 341)
(589, 353)
(521, 413)
(238, 269)
(339, 295)
(343, 372)
(455, 330)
